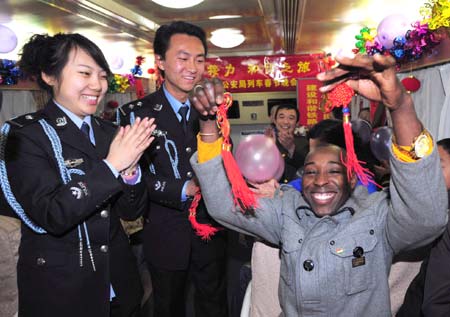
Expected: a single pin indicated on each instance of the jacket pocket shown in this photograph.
(353, 254)
(289, 255)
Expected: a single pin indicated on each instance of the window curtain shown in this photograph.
(15, 103)
(444, 124)
(429, 99)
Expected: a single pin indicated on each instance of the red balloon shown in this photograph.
(258, 158)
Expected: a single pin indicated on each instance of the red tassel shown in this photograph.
(204, 230)
(242, 195)
(342, 95)
(351, 162)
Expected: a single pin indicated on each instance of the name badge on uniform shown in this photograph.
(359, 258)
(358, 261)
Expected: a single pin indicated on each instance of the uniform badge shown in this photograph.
(160, 186)
(79, 192)
(157, 107)
(60, 122)
(139, 103)
(29, 117)
(71, 163)
(131, 106)
(76, 192)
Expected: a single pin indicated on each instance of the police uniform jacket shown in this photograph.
(168, 235)
(50, 279)
(338, 265)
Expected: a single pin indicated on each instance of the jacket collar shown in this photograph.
(71, 135)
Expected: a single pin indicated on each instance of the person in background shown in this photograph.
(337, 242)
(74, 175)
(364, 114)
(173, 250)
(428, 294)
(293, 148)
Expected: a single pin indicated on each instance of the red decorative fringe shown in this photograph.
(242, 195)
(351, 162)
(204, 230)
(342, 95)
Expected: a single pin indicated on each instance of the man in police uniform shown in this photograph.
(171, 247)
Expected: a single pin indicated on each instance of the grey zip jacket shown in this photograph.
(338, 265)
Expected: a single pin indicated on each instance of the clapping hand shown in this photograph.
(129, 144)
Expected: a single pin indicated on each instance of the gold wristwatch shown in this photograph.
(422, 145)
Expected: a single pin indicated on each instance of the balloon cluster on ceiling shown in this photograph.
(404, 40)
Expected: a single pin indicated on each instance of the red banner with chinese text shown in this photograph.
(308, 101)
(263, 73)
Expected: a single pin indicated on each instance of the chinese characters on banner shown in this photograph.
(308, 101)
(263, 73)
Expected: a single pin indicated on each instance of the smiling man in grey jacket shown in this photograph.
(336, 241)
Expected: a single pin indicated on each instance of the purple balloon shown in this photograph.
(258, 158)
(390, 27)
(379, 143)
(8, 39)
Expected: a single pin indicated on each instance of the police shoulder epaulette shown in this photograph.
(129, 107)
(25, 119)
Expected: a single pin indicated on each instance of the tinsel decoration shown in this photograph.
(437, 14)
(120, 83)
(9, 72)
(137, 70)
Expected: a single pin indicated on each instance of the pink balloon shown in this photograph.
(390, 27)
(280, 170)
(258, 158)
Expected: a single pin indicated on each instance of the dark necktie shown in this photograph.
(183, 113)
(85, 129)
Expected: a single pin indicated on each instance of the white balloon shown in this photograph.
(116, 62)
(8, 39)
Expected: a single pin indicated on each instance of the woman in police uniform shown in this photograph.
(74, 257)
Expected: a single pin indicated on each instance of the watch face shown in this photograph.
(422, 145)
